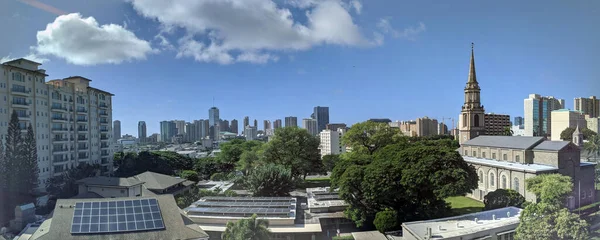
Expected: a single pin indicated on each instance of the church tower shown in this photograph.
(471, 117)
(578, 137)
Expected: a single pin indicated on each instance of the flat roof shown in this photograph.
(463, 225)
(531, 168)
(296, 228)
(228, 207)
(368, 235)
(323, 198)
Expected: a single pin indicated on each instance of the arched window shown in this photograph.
(476, 120)
(518, 158)
(491, 179)
(516, 184)
(503, 181)
(465, 120)
(480, 176)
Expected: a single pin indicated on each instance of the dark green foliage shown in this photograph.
(206, 167)
(249, 160)
(194, 194)
(222, 176)
(368, 137)
(29, 165)
(270, 181)
(567, 134)
(4, 206)
(503, 198)
(251, 228)
(548, 218)
(295, 149)
(386, 221)
(411, 176)
(65, 185)
(189, 175)
(231, 152)
(329, 162)
(169, 163)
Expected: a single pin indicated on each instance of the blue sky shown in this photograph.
(267, 59)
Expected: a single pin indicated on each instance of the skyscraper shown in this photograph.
(180, 125)
(205, 128)
(538, 117)
(310, 125)
(321, 114)
(142, 131)
(246, 121)
(234, 126)
(168, 129)
(266, 125)
(255, 123)
(331, 142)
(588, 106)
(198, 124)
(518, 121)
(116, 130)
(335, 126)
(224, 126)
(250, 133)
(277, 124)
(472, 115)
(190, 132)
(213, 116)
(291, 122)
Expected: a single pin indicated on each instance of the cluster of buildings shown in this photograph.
(70, 118)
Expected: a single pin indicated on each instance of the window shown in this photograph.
(518, 158)
(466, 153)
(464, 120)
(474, 154)
(491, 179)
(480, 176)
(493, 155)
(476, 120)
(503, 181)
(504, 157)
(483, 154)
(583, 195)
(516, 184)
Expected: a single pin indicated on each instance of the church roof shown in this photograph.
(514, 142)
(472, 76)
(552, 145)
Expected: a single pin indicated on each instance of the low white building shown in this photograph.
(518, 130)
(331, 142)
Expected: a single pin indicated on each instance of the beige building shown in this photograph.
(588, 106)
(72, 121)
(593, 123)
(331, 142)
(563, 119)
(495, 124)
(426, 127)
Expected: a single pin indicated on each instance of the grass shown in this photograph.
(464, 205)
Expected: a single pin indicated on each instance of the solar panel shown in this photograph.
(250, 199)
(240, 210)
(117, 216)
(244, 204)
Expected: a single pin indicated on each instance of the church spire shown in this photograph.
(472, 77)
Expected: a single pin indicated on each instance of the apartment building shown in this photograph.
(72, 121)
(311, 125)
(495, 124)
(277, 124)
(233, 127)
(291, 121)
(593, 123)
(142, 131)
(331, 142)
(588, 106)
(563, 119)
(250, 132)
(537, 116)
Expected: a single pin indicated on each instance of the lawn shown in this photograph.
(464, 205)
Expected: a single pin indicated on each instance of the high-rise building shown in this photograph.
(496, 124)
(426, 127)
(321, 114)
(116, 130)
(168, 129)
(180, 125)
(154, 138)
(310, 125)
(277, 124)
(246, 121)
(593, 123)
(142, 131)
(198, 129)
(335, 126)
(250, 133)
(213, 116)
(256, 123)
(472, 114)
(518, 121)
(234, 126)
(72, 121)
(331, 142)
(190, 132)
(380, 120)
(563, 119)
(224, 127)
(442, 129)
(266, 125)
(205, 128)
(291, 122)
(538, 115)
(589, 106)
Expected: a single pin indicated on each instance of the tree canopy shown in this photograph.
(567, 134)
(251, 228)
(503, 198)
(593, 147)
(169, 163)
(65, 185)
(548, 218)
(270, 181)
(386, 221)
(369, 136)
(295, 149)
(329, 162)
(231, 152)
(409, 176)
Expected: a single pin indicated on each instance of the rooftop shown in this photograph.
(514, 142)
(531, 168)
(552, 145)
(323, 198)
(157, 181)
(464, 224)
(176, 225)
(111, 181)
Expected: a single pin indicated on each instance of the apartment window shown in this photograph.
(504, 157)
(518, 158)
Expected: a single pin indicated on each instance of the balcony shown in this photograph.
(81, 111)
(103, 138)
(59, 108)
(103, 114)
(60, 129)
(20, 91)
(58, 140)
(59, 119)
(58, 159)
(83, 148)
(103, 145)
(103, 122)
(81, 120)
(103, 130)
(104, 154)
(23, 116)
(82, 129)
(82, 139)
(83, 157)
(104, 161)
(20, 104)
(60, 150)
(103, 106)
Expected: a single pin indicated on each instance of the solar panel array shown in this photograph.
(245, 204)
(326, 197)
(117, 216)
(250, 199)
(283, 211)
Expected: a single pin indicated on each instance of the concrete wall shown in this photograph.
(224, 220)
(586, 175)
(514, 180)
(512, 155)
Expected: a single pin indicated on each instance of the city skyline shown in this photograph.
(390, 53)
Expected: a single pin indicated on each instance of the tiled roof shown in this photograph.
(514, 142)
(157, 181)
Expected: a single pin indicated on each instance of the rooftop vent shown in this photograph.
(508, 214)
(476, 220)
(493, 216)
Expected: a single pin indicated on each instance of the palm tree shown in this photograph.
(508, 131)
(247, 229)
(593, 147)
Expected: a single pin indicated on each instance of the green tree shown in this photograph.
(208, 166)
(168, 163)
(548, 218)
(329, 161)
(4, 209)
(189, 175)
(65, 185)
(251, 228)
(270, 181)
(14, 164)
(369, 136)
(30, 167)
(593, 147)
(567, 134)
(249, 160)
(386, 221)
(193, 195)
(508, 131)
(503, 198)
(295, 149)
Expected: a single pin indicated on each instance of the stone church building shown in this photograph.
(507, 161)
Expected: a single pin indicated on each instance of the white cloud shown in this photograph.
(228, 31)
(409, 33)
(83, 41)
(357, 6)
